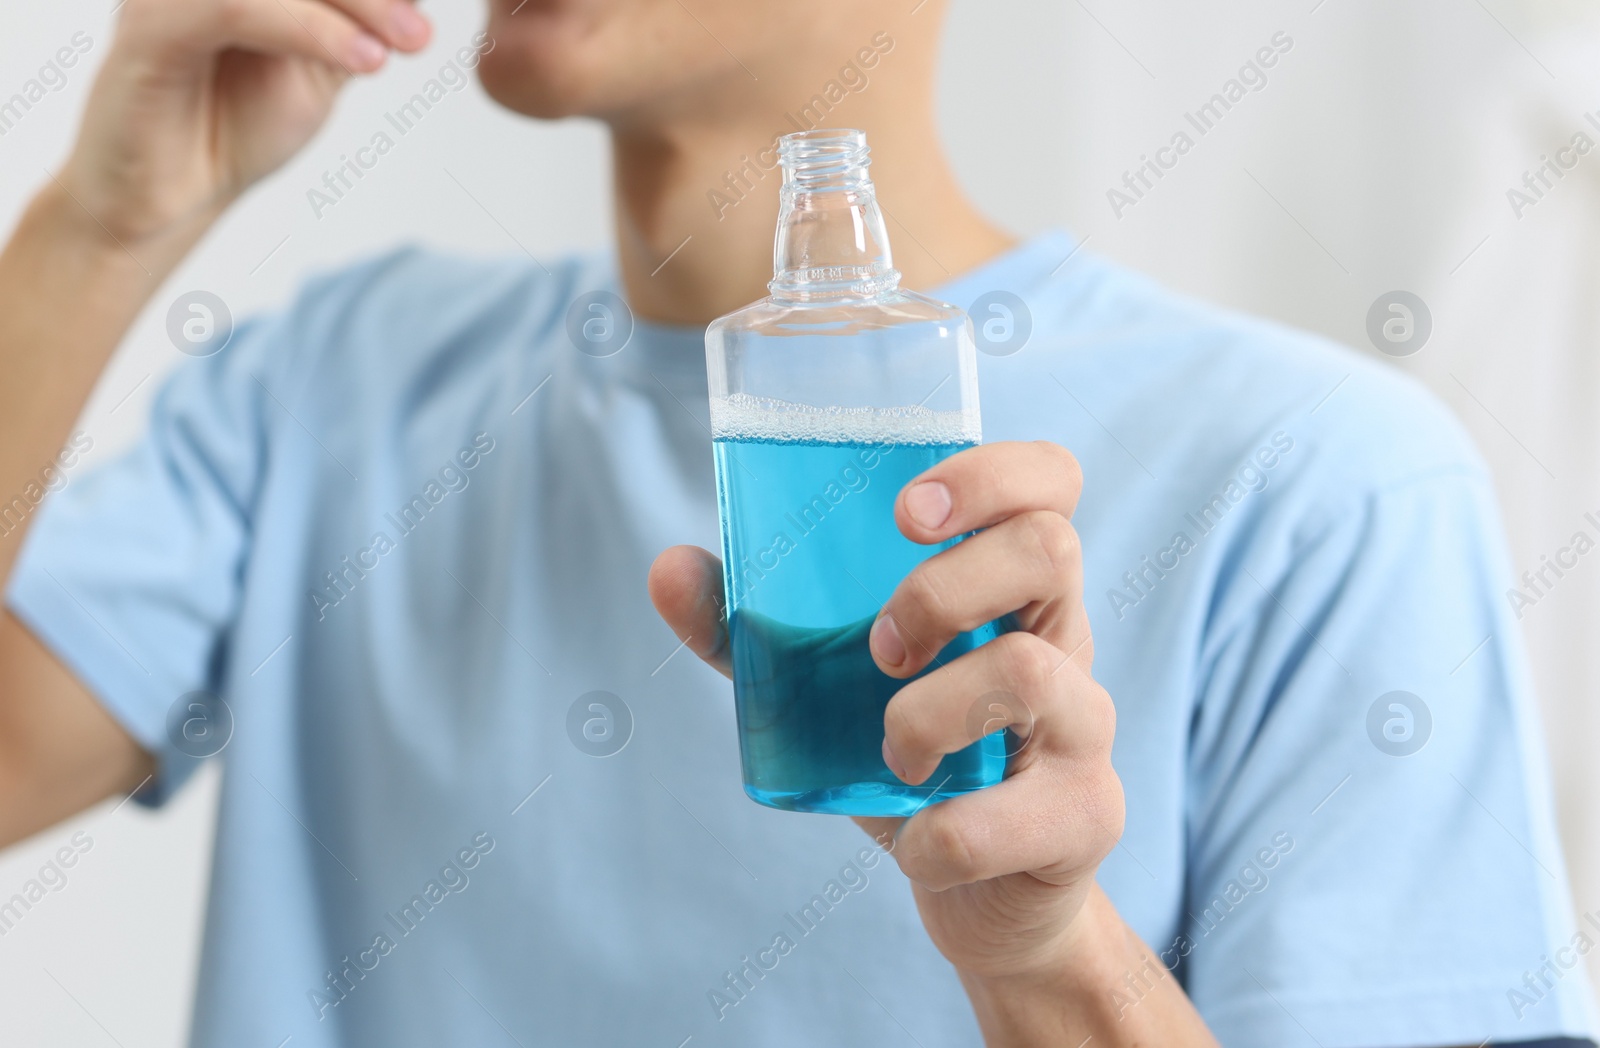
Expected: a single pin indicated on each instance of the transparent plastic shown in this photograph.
(827, 397)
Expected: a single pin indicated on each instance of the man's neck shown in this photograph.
(693, 243)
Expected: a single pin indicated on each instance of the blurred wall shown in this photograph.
(1380, 156)
(1374, 157)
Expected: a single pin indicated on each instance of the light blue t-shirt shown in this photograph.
(402, 530)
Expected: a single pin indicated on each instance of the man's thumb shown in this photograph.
(686, 588)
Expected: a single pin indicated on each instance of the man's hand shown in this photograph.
(1000, 875)
(198, 99)
(1004, 877)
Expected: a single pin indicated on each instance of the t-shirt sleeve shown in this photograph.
(1373, 861)
(131, 574)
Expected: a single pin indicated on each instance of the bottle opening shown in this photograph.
(831, 240)
(827, 156)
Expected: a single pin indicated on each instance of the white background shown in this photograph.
(1376, 158)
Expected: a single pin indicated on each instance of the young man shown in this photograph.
(400, 537)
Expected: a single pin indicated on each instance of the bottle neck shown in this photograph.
(831, 242)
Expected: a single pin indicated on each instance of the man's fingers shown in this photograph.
(686, 588)
(1055, 821)
(1017, 681)
(1030, 563)
(396, 22)
(307, 29)
(982, 486)
(353, 35)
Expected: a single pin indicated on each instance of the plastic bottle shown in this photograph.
(827, 397)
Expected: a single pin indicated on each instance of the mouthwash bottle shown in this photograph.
(827, 397)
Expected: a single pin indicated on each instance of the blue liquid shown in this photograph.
(810, 553)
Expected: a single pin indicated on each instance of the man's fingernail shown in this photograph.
(407, 24)
(367, 52)
(929, 503)
(893, 762)
(886, 642)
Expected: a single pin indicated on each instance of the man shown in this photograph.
(397, 539)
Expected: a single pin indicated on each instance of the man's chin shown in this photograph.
(525, 86)
(535, 66)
